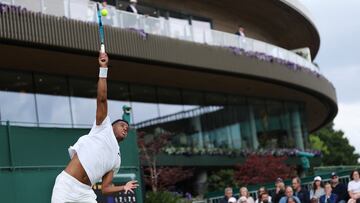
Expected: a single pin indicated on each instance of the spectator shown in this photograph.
(265, 198)
(242, 200)
(228, 194)
(339, 189)
(261, 191)
(354, 186)
(291, 200)
(299, 192)
(328, 197)
(314, 200)
(317, 188)
(241, 31)
(132, 7)
(279, 190)
(289, 194)
(245, 193)
(232, 200)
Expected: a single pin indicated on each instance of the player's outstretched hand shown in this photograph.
(130, 186)
(103, 60)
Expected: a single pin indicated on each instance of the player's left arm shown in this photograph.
(108, 188)
(101, 100)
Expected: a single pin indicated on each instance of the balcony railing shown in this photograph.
(85, 10)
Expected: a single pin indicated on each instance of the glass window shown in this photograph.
(84, 111)
(277, 133)
(143, 102)
(169, 101)
(83, 87)
(52, 100)
(192, 99)
(17, 98)
(83, 101)
(118, 94)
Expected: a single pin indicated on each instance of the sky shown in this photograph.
(338, 23)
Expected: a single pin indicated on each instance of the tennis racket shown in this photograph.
(101, 30)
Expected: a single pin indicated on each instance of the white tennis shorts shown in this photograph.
(68, 189)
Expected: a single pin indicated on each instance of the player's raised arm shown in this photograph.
(101, 101)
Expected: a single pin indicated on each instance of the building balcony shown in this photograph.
(160, 49)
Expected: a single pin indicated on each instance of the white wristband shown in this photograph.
(103, 72)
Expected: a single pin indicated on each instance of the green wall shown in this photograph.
(31, 158)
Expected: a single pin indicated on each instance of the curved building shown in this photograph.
(177, 64)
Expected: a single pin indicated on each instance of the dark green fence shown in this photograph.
(31, 158)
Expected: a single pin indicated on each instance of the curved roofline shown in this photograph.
(301, 9)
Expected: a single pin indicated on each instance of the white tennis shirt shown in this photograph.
(98, 151)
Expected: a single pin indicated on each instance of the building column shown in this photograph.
(296, 128)
(198, 136)
(253, 134)
(200, 185)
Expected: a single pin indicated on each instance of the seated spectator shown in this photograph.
(242, 200)
(314, 200)
(279, 190)
(354, 186)
(232, 200)
(339, 189)
(328, 197)
(261, 191)
(241, 31)
(301, 193)
(317, 188)
(245, 193)
(291, 200)
(265, 198)
(289, 193)
(228, 193)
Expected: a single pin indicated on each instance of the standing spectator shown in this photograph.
(354, 186)
(317, 188)
(260, 192)
(328, 197)
(279, 190)
(228, 193)
(245, 193)
(339, 189)
(132, 7)
(289, 195)
(301, 193)
(241, 31)
(242, 39)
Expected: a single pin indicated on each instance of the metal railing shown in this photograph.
(85, 10)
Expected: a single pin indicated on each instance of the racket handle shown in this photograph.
(102, 48)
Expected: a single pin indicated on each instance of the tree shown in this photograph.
(262, 169)
(158, 178)
(167, 176)
(334, 146)
(221, 179)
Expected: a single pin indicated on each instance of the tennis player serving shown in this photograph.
(94, 156)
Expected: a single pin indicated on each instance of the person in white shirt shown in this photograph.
(95, 156)
(317, 188)
(354, 186)
(245, 193)
(241, 31)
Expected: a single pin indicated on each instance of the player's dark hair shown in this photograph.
(120, 120)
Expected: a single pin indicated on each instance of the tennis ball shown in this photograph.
(104, 12)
